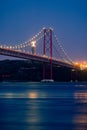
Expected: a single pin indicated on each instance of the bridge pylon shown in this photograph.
(47, 52)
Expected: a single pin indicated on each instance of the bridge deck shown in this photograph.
(23, 55)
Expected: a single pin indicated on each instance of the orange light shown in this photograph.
(33, 95)
(82, 65)
(76, 63)
(84, 62)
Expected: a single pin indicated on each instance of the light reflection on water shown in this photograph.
(37, 106)
(30, 95)
(80, 118)
(81, 96)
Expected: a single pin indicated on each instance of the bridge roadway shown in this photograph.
(28, 56)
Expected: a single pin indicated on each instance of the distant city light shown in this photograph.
(82, 65)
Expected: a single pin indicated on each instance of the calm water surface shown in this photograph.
(43, 106)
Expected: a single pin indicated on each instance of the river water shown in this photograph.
(43, 106)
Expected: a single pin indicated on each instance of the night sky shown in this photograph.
(21, 19)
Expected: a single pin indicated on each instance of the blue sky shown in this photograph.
(21, 19)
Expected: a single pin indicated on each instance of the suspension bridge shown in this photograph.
(43, 47)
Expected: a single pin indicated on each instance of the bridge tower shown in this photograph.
(33, 47)
(47, 52)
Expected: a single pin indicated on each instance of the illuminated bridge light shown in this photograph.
(1, 46)
(33, 44)
(7, 47)
(10, 47)
(51, 28)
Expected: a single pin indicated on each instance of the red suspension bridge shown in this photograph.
(44, 47)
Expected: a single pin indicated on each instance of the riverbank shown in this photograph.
(24, 70)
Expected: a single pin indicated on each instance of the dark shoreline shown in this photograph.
(29, 71)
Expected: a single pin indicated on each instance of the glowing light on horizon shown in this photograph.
(82, 65)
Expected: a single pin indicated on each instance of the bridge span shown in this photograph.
(51, 50)
(19, 54)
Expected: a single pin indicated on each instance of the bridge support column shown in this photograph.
(44, 52)
(51, 54)
(47, 51)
